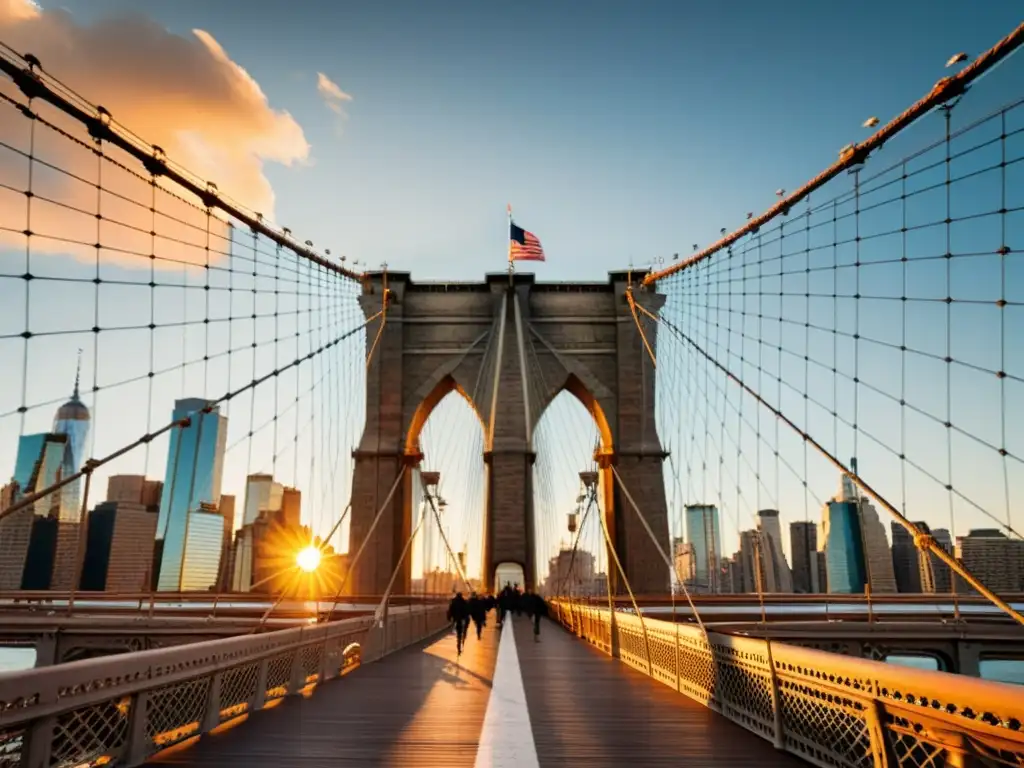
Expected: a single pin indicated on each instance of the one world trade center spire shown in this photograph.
(72, 419)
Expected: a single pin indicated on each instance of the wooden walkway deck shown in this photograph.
(420, 709)
(588, 709)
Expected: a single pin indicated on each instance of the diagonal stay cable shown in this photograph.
(633, 307)
(444, 538)
(378, 614)
(625, 580)
(661, 550)
(591, 502)
(93, 464)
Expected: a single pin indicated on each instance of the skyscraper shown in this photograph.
(803, 542)
(29, 537)
(905, 560)
(204, 547)
(936, 576)
(703, 533)
(997, 560)
(41, 463)
(262, 494)
(119, 547)
(195, 465)
(857, 550)
(135, 488)
(685, 564)
(751, 563)
(779, 579)
(877, 554)
(263, 501)
(844, 547)
(72, 419)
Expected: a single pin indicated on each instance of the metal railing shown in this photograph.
(123, 709)
(828, 709)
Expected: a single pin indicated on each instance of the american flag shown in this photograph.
(523, 245)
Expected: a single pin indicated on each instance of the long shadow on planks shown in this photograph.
(417, 707)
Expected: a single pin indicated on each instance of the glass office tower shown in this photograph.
(195, 465)
(40, 463)
(29, 449)
(844, 545)
(201, 567)
(703, 533)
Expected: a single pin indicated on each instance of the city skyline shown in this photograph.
(854, 552)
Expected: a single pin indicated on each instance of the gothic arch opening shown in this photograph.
(447, 434)
(572, 428)
(576, 388)
(426, 407)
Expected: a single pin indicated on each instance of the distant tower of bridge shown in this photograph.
(509, 346)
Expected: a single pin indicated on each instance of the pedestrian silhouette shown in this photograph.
(458, 614)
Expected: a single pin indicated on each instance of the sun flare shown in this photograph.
(308, 559)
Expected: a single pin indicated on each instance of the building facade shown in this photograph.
(119, 547)
(195, 464)
(997, 561)
(779, 577)
(857, 551)
(905, 558)
(703, 533)
(803, 543)
(936, 576)
(844, 548)
(32, 538)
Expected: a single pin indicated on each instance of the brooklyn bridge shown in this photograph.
(249, 475)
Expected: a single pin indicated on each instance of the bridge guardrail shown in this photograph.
(831, 710)
(125, 708)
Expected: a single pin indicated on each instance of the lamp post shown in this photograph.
(431, 481)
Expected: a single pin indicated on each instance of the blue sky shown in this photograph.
(620, 135)
(622, 132)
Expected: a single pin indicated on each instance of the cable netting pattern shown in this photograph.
(143, 306)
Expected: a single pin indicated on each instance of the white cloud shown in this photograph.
(331, 93)
(184, 94)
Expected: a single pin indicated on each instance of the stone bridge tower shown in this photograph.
(508, 347)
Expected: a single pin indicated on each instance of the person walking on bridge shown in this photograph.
(458, 614)
(536, 609)
(506, 603)
(478, 612)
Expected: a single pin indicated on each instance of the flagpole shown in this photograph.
(511, 264)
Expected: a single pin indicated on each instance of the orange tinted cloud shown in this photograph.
(184, 94)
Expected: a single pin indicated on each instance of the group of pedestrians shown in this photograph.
(510, 600)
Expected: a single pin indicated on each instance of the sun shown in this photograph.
(308, 559)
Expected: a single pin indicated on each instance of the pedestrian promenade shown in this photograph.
(556, 702)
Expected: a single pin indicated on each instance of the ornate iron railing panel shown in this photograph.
(832, 710)
(123, 709)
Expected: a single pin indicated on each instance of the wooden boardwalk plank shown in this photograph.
(587, 709)
(416, 708)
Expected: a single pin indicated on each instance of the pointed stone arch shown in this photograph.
(575, 387)
(444, 386)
